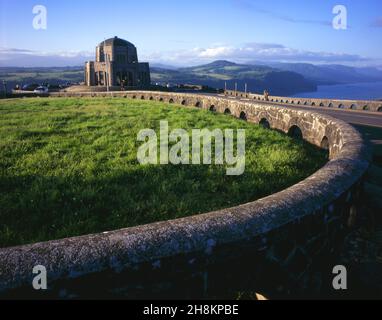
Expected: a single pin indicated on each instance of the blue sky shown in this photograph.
(191, 32)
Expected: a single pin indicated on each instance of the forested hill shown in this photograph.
(257, 77)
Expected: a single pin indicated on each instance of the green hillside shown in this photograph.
(215, 75)
(257, 78)
(53, 76)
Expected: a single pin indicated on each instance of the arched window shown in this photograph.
(119, 78)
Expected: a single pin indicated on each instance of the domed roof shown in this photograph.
(116, 42)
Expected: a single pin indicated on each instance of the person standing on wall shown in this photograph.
(266, 95)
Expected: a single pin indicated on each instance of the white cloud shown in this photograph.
(249, 52)
(9, 51)
(217, 52)
(29, 58)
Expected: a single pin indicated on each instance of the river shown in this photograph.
(352, 91)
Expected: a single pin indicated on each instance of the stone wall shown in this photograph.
(271, 245)
(365, 105)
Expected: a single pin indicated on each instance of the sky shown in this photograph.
(180, 33)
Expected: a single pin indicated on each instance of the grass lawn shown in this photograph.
(69, 167)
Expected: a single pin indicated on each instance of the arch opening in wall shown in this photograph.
(379, 109)
(295, 132)
(341, 106)
(198, 104)
(292, 102)
(298, 102)
(321, 104)
(243, 116)
(151, 98)
(282, 101)
(305, 103)
(212, 108)
(142, 97)
(184, 102)
(265, 123)
(313, 104)
(330, 105)
(227, 111)
(366, 108)
(171, 101)
(161, 99)
(134, 97)
(353, 107)
(325, 143)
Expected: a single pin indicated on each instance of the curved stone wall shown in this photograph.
(287, 231)
(365, 105)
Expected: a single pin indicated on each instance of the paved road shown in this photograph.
(364, 118)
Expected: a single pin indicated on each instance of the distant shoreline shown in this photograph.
(74, 74)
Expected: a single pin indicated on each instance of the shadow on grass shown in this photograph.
(39, 208)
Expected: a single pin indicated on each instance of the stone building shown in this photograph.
(117, 65)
